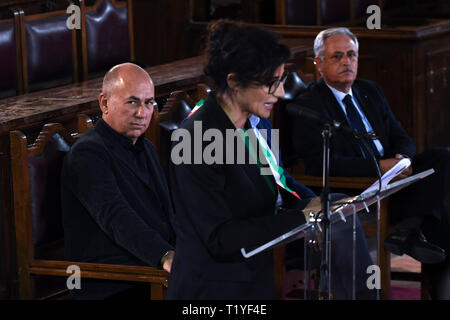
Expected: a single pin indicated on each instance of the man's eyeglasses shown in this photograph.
(274, 84)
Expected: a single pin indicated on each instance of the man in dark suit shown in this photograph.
(116, 205)
(338, 95)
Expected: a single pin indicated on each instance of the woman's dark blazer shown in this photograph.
(221, 208)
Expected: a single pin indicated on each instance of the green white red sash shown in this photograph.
(277, 171)
(197, 106)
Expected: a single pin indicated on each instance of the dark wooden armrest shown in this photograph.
(335, 182)
(84, 123)
(101, 271)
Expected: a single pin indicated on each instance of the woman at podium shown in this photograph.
(226, 178)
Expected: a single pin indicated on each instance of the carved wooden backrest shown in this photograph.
(36, 169)
(49, 50)
(176, 109)
(10, 52)
(106, 35)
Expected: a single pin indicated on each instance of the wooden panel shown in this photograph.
(368, 66)
(199, 10)
(333, 11)
(353, 12)
(160, 30)
(437, 112)
(393, 73)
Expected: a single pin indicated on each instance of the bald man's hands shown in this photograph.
(166, 261)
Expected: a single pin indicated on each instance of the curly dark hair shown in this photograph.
(251, 53)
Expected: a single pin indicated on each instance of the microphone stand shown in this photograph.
(324, 285)
(325, 279)
(328, 126)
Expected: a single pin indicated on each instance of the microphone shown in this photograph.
(297, 110)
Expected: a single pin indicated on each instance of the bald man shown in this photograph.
(115, 199)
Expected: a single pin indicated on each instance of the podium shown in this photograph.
(339, 210)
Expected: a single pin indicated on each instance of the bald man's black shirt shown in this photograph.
(115, 201)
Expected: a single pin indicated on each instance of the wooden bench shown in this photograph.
(36, 171)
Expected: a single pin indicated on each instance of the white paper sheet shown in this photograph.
(387, 177)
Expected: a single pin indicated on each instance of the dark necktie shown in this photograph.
(356, 123)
